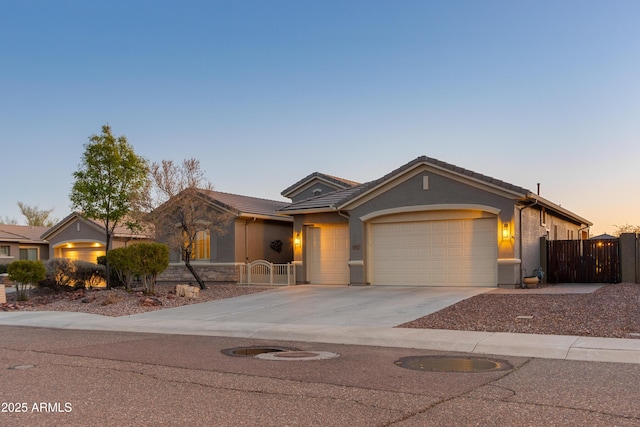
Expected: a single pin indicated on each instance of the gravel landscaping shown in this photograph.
(118, 302)
(611, 311)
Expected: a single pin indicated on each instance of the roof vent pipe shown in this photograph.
(538, 189)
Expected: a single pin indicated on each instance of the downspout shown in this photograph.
(583, 228)
(344, 215)
(520, 209)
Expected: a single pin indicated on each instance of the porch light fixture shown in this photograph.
(506, 231)
(296, 240)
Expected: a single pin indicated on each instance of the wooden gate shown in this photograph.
(583, 261)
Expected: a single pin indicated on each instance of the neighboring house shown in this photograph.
(22, 242)
(257, 232)
(427, 223)
(79, 238)
(604, 236)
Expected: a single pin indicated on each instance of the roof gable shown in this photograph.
(352, 197)
(348, 197)
(119, 231)
(317, 178)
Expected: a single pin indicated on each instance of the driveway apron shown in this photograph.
(378, 306)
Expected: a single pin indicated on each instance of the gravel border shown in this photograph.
(118, 302)
(612, 311)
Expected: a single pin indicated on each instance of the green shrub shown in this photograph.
(65, 274)
(59, 274)
(88, 274)
(120, 264)
(3, 268)
(148, 261)
(24, 273)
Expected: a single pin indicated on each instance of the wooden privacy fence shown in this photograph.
(583, 261)
(265, 273)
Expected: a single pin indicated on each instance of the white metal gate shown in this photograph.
(263, 272)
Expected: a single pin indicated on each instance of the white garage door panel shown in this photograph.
(435, 253)
(328, 255)
(82, 254)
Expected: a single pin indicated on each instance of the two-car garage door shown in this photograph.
(454, 252)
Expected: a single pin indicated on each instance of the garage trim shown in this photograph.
(424, 208)
(436, 271)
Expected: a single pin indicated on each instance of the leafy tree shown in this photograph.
(36, 217)
(111, 183)
(181, 210)
(24, 273)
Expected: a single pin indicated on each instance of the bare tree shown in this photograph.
(627, 228)
(36, 217)
(8, 221)
(182, 208)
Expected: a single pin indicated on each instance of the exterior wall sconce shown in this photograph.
(297, 242)
(506, 231)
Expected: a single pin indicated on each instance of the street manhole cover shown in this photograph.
(298, 355)
(452, 364)
(254, 350)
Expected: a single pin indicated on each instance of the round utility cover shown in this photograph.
(452, 364)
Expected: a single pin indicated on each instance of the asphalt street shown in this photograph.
(108, 378)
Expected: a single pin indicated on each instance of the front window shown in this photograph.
(30, 254)
(201, 246)
(5, 250)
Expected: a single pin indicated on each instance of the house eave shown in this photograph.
(309, 211)
(559, 209)
(282, 218)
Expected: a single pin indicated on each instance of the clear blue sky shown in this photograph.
(266, 92)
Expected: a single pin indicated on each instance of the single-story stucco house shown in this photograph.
(22, 242)
(78, 238)
(257, 231)
(427, 223)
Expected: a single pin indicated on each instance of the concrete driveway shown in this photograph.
(373, 306)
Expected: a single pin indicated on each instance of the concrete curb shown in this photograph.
(495, 343)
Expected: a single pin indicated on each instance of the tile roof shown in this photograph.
(340, 197)
(21, 233)
(247, 205)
